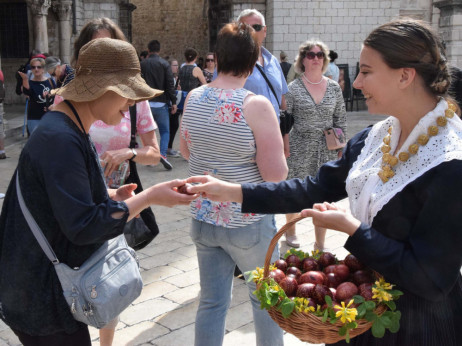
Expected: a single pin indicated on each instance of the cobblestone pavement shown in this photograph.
(164, 314)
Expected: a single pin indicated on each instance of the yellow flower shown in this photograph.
(345, 313)
(257, 274)
(381, 295)
(382, 284)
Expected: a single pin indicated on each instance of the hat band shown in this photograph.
(86, 70)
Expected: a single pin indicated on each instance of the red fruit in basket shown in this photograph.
(326, 259)
(313, 277)
(293, 261)
(353, 263)
(330, 269)
(305, 290)
(294, 271)
(362, 277)
(333, 280)
(289, 285)
(309, 264)
(281, 265)
(365, 290)
(342, 271)
(277, 275)
(346, 291)
(320, 292)
(333, 290)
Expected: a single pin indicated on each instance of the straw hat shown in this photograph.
(107, 64)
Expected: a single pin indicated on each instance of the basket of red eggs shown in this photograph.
(320, 299)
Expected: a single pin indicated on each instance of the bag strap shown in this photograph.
(267, 81)
(71, 106)
(38, 234)
(133, 143)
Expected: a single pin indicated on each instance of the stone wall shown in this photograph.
(342, 25)
(176, 24)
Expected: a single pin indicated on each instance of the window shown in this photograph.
(14, 30)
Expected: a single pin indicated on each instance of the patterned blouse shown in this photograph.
(308, 149)
(222, 145)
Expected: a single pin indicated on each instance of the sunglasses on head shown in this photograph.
(36, 67)
(311, 55)
(209, 60)
(257, 27)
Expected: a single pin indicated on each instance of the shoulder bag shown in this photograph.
(139, 231)
(106, 283)
(286, 119)
(335, 138)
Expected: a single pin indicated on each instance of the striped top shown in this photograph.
(222, 145)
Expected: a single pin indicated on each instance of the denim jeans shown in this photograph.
(161, 117)
(219, 249)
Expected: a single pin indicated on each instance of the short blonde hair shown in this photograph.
(306, 47)
(40, 60)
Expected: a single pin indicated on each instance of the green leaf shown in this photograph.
(324, 317)
(395, 322)
(342, 331)
(328, 301)
(274, 299)
(331, 313)
(370, 316)
(391, 304)
(358, 299)
(378, 329)
(352, 325)
(334, 320)
(361, 311)
(286, 307)
(395, 293)
(386, 321)
(370, 305)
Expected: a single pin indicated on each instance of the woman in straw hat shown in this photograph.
(64, 189)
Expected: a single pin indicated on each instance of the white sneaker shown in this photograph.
(293, 241)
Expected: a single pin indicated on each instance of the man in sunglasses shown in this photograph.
(267, 78)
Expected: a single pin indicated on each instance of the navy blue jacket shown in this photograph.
(63, 187)
(415, 242)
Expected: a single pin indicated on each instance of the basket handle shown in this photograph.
(275, 240)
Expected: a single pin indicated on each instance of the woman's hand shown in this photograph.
(169, 194)
(111, 159)
(23, 75)
(330, 215)
(124, 192)
(215, 189)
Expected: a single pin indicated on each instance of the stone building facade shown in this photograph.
(52, 25)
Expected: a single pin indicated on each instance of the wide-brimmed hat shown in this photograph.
(107, 64)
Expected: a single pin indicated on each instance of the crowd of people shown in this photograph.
(399, 175)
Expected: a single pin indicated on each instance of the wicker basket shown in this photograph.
(309, 327)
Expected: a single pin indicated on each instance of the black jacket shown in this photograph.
(158, 75)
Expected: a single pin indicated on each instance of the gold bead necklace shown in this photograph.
(389, 161)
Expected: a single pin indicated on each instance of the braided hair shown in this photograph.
(412, 43)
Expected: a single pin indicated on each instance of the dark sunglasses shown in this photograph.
(257, 27)
(311, 55)
(36, 67)
(209, 60)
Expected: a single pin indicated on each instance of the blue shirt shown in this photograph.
(257, 83)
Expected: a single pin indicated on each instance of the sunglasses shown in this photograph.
(36, 67)
(209, 60)
(257, 27)
(311, 55)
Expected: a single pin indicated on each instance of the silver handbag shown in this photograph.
(106, 283)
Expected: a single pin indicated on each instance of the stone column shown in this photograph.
(39, 10)
(450, 28)
(63, 10)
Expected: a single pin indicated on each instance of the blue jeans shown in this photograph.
(219, 249)
(162, 118)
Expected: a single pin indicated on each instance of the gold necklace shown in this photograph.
(389, 161)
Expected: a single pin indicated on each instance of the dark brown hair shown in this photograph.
(190, 54)
(92, 27)
(237, 50)
(412, 43)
